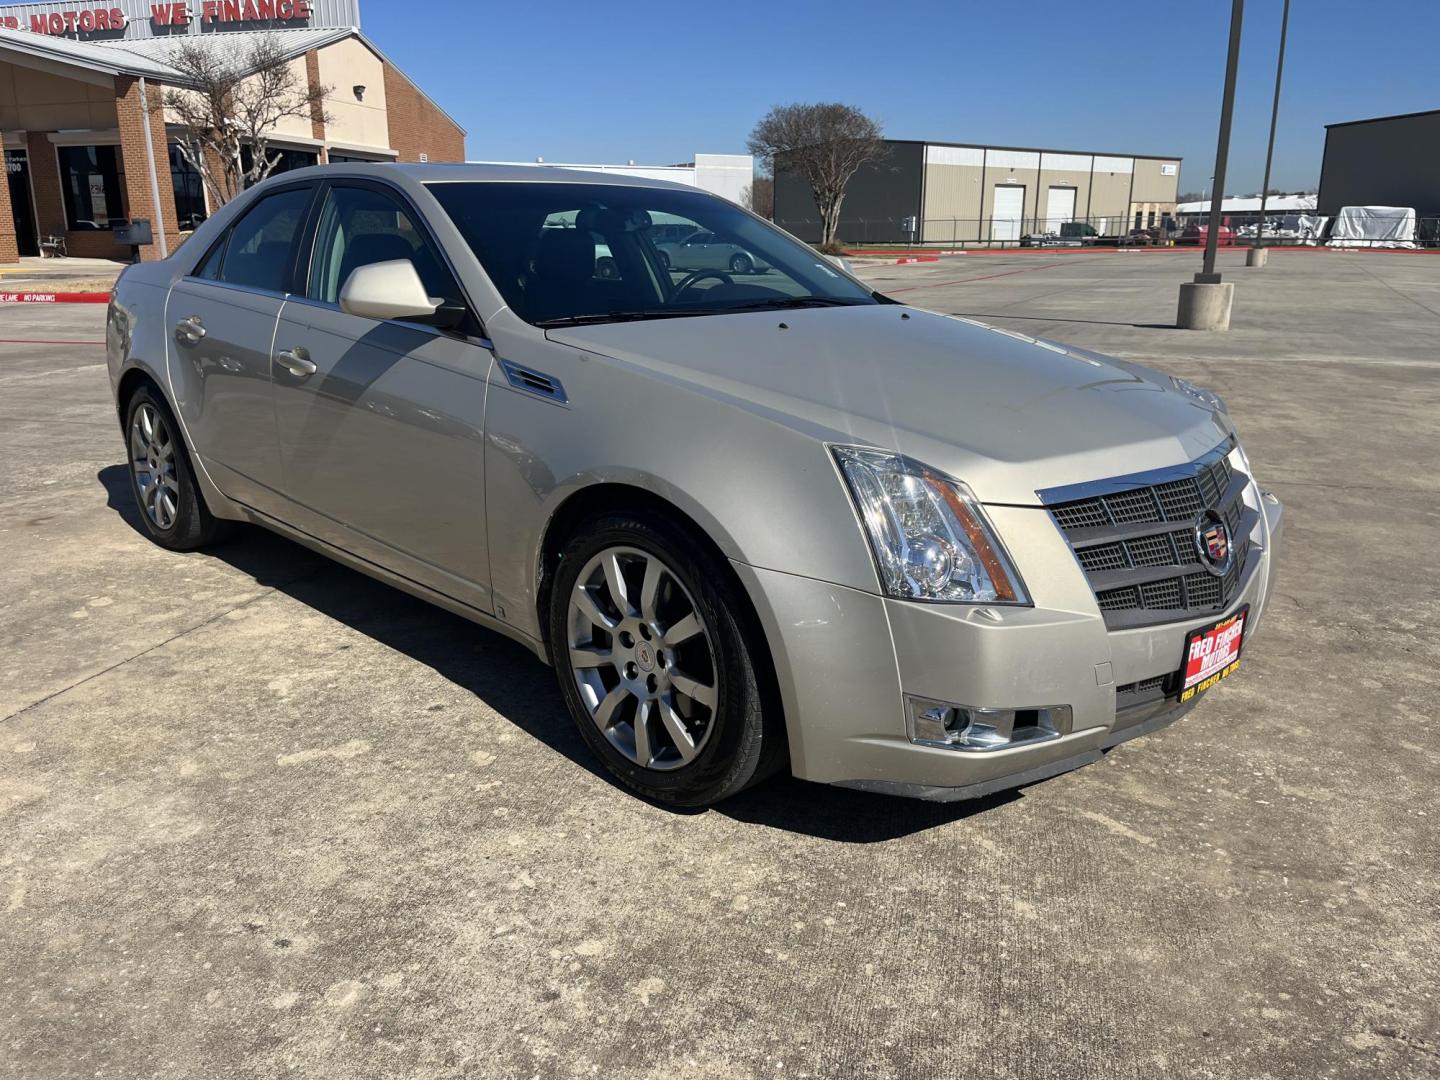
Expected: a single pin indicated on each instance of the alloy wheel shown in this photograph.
(152, 461)
(642, 658)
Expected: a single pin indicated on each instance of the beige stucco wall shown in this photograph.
(354, 122)
(291, 128)
(296, 127)
(33, 100)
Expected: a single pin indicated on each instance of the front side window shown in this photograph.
(258, 252)
(565, 253)
(360, 226)
(93, 181)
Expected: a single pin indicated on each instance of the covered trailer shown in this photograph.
(1374, 227)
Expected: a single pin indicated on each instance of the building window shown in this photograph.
(1150, 219)
(93, 182)
(189, 191)
(289, 159)
(342, 158)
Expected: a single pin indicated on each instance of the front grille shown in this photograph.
(1140, 693)
(1143, 569)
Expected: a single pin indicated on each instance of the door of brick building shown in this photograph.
(17, 172)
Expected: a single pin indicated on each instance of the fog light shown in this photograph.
(968, 727)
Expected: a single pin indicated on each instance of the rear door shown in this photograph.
(381, 423)
(221, 322)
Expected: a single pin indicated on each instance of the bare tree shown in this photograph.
(230, 100)
(825, 144)
(760, 197)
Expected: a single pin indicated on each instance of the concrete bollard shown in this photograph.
(1205, 307)
(1256, 256)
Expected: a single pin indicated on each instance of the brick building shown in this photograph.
(87, 142)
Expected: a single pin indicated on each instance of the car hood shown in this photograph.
(1006, 413)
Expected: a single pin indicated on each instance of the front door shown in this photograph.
(17, 172)
(220, 320)
(381, 423)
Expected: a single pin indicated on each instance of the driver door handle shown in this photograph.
(297, 361)
(189, 331)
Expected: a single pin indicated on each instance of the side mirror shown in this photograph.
(390, 290)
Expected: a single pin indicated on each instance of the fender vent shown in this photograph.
(534, 382)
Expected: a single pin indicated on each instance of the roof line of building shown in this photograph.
(117, 58)
(401, 72)
(1396, 116)
(1035, 149)
(109, 59)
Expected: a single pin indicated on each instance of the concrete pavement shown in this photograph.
(260, 816)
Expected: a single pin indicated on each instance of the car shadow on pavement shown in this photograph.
(508, 678)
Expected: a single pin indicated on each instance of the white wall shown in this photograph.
(727, 175)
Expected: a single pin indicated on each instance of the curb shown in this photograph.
(54, 297)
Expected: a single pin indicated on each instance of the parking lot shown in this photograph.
(261, 816)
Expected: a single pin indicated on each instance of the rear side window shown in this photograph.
(258, 252)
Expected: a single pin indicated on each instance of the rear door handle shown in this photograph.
(297, 361)
(189, 331)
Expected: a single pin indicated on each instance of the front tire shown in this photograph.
(162, 479)
(657, 665)
(741, 264)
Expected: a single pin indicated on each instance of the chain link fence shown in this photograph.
(1138, 230)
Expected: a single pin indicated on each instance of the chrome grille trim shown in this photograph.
(1143, 570)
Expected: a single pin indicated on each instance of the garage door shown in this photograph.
(1059, 208)
(1006, 211)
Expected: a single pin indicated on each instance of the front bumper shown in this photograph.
(846, 659)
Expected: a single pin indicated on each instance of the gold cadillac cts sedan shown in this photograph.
(755, 521)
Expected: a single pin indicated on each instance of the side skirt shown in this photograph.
(398, 581)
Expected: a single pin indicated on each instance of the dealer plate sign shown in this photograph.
(1211, 654)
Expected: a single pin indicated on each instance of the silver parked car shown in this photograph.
(703, 250)
(753, 524)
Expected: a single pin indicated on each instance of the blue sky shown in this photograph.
(657, 82)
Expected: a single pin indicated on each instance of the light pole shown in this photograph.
(1270, 150)
(1205, 302)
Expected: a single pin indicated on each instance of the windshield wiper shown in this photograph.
(619, 316)
(798, 302)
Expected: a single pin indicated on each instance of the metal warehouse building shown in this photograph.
(1388, 161)
(959, 193)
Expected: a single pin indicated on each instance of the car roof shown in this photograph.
(436, 173)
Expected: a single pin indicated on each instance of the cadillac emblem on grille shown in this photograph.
(1212, 538)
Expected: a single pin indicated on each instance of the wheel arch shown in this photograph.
(608, 497)
(131, 380)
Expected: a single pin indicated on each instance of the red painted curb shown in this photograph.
(54, 297)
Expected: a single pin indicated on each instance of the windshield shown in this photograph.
(564, 254)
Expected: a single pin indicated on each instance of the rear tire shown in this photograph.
(662, 679)
(162, 480)
(741, 264)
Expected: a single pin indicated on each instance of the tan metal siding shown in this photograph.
(952, 203)
(1151, 185)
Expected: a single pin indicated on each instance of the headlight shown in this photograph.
(1208, 398)
(930, 538)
